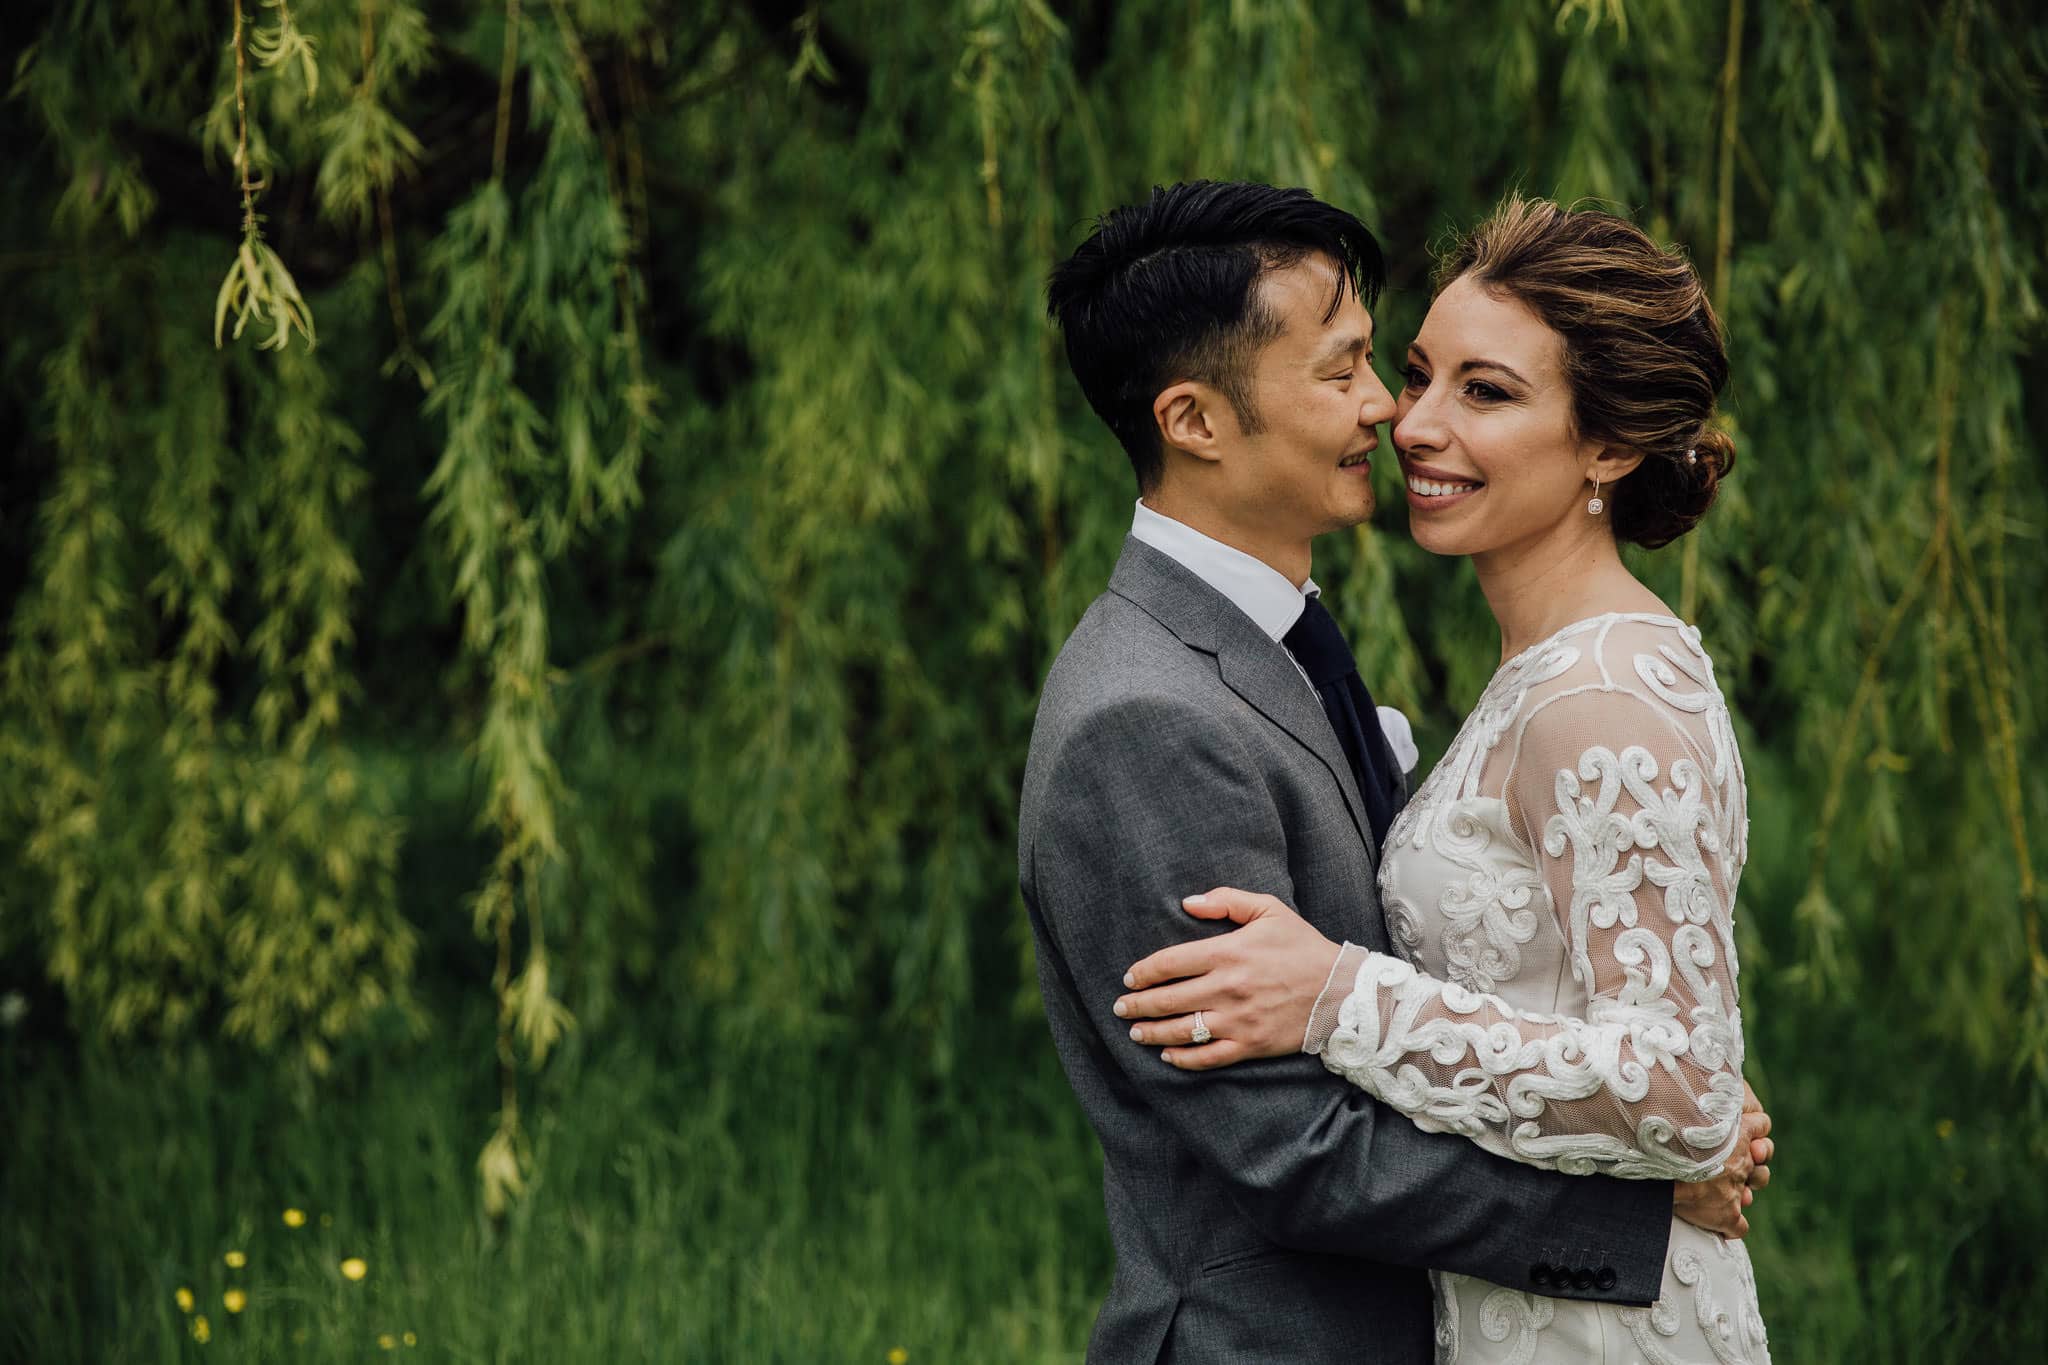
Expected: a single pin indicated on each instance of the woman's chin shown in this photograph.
(1436, 538)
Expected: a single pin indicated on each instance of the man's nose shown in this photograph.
(1378, 404)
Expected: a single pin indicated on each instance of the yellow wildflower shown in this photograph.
(387, 1341)
(295, 1218)
(411, 1340)
(355, 1268)
(202, 1330)
(1945, 1130)
(236, 1260)
(184, 1298)
(235, 1300)
(898, 1356)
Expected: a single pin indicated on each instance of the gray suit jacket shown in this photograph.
(1268, 1211)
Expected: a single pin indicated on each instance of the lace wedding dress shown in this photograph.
(1563, 888)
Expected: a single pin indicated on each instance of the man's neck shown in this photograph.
(1290, 559)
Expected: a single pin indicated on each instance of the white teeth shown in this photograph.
(1430, 488)
(1353, 461)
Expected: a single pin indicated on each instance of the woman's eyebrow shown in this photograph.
(1491, 365)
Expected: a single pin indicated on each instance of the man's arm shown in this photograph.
(1149, 800)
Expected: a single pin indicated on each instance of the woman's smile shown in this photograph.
(1432, 490)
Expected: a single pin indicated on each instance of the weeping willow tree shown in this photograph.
(634, 426)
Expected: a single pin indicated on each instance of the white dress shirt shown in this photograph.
(1261, 592)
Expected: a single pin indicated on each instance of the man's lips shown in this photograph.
(1362, 457)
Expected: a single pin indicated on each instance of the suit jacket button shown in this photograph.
(1582, 1279)
(1606, 1279)
(1561, 1276)
(1539, 1275)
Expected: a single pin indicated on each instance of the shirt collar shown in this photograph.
(1253, 586)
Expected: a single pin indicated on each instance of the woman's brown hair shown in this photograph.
(1643, 351)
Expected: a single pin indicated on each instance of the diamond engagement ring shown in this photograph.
(1201, 1034)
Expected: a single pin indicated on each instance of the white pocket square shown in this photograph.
(1400, 738)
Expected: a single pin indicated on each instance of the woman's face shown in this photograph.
(1483, 427)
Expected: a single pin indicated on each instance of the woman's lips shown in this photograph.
(1437, 502)
(1432, 490)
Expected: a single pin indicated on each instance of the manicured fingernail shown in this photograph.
(1196, 900)
(1121, 1009)
(1130, 978)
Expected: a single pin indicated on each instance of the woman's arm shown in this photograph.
(1632, 847)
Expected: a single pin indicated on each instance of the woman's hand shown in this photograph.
(1254, 986)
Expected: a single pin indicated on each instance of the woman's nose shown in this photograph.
(1416, 428)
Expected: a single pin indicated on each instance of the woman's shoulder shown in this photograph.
(1611, 676)
(1660, 659)
(1616, 650)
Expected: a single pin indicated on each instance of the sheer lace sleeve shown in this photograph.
(1628, 802)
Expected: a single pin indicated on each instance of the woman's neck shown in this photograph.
(1539, 586)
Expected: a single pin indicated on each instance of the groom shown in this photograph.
(1203, 726)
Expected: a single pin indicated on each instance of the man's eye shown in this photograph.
(1344, 378)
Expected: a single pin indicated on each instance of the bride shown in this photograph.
(1562, 887)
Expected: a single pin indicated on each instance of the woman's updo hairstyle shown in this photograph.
(1643, 351)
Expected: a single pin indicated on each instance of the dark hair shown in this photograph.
(1164, 291)
(1643, 351)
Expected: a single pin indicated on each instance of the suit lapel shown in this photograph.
(1254, 666)
(1260, 671)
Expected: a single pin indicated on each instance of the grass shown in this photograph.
(684, 1212)
(696, 1207)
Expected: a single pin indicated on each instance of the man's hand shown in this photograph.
(1717, 1204)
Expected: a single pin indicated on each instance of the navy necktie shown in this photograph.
(1318, 646)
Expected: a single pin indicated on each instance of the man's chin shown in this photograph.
(1352, 514)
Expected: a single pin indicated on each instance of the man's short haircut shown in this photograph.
(1166, 291)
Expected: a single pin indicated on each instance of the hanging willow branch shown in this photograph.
(506, 1157)
(384, 150)
(1724, 253)
(258, 286)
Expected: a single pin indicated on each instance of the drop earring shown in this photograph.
(1593, 507)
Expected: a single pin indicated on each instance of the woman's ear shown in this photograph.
(1192, 417)
(1611, 462)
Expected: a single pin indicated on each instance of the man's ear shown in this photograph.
(1611, 462)
(1193, 418)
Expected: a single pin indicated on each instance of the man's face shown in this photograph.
(1305, 472)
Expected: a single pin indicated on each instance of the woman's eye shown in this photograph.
(1484, 392)
(1414, 378)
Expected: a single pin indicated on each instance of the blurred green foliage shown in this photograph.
(685, 494)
